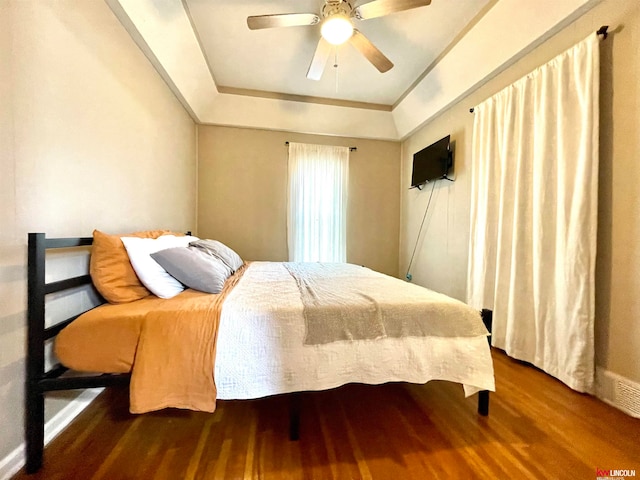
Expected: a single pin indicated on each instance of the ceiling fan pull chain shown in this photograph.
(335, 65)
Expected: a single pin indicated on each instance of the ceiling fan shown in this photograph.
(337, 27)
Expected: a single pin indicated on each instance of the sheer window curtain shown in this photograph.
(317, 217)
(534, 214)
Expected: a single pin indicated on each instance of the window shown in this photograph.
(316, 225)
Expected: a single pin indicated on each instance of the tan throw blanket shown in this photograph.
(349, 302)
(174, 361)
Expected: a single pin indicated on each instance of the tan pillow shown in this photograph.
(110, 269)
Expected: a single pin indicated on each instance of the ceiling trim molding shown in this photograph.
(167, 39)
(198, 39)
(446, 51)
(292, 116)
(503, 35)
(495, 39)
(304, 98)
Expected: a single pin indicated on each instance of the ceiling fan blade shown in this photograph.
(369, 50)
(378, 8)
(282, 20)
(323, 50)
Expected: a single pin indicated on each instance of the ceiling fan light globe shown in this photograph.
(336, 29)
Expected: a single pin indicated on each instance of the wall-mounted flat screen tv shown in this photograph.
(432, 163)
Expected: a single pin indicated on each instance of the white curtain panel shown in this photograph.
(317, 221)
(534, 215)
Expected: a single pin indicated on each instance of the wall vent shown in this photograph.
(627, 397)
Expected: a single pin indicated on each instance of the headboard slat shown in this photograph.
(67, 283)
(67, 242)
(54, 330)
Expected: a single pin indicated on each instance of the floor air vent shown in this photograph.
(628, 398)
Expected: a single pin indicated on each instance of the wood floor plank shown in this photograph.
(361, 461)
(537, 428)
(249, 456)
(194, 462)
(329, 445)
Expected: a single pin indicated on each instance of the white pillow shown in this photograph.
(150, 273)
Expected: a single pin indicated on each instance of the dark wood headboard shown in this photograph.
(38, 380)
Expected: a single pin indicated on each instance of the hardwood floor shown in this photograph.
(537, 428)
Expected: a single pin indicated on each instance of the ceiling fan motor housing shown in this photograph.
(336, 7)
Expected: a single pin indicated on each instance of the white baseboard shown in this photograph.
(13, 462)
(618, 391)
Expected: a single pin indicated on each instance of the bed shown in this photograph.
(265, 343)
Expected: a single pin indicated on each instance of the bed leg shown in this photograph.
(483, 396)
(34, 417)
(483, 402)
(294, 417)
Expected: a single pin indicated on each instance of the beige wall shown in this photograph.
(242, 194)
(441, 259)
(91, 137)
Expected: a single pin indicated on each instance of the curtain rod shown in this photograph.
(351, 149)
(601, 31)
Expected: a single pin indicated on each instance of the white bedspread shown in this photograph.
(261, 350)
